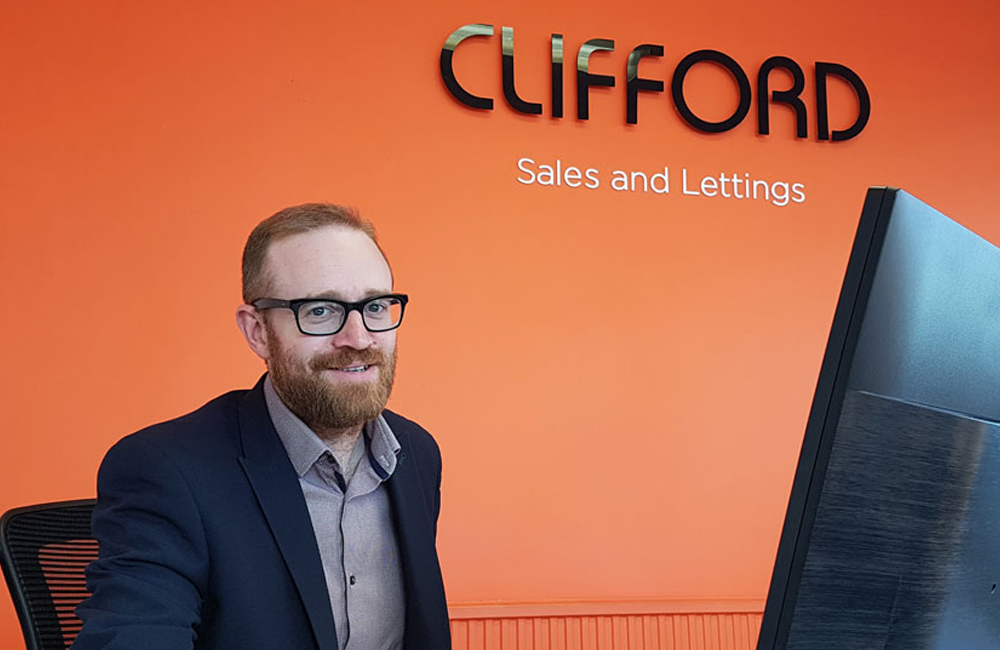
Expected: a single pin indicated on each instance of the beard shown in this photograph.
(324, 405)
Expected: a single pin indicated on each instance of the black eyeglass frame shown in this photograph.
(274, 303)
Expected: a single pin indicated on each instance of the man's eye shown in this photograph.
(376, 308)
(318, 311)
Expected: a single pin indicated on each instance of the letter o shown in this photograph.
(677, 90)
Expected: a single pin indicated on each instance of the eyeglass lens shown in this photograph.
(325, 317)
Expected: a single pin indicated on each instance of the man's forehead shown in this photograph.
(333, 262)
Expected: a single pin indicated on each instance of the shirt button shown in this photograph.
(353, 580)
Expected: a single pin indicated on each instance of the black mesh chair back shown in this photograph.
(44, 550)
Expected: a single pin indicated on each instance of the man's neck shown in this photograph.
(341, 442)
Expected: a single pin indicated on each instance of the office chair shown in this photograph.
(44, 550)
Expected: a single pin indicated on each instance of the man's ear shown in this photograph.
(251, 323)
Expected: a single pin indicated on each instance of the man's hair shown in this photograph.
(293, 221)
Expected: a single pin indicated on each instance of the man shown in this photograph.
(299, 514)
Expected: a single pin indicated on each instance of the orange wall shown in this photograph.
(621, 413)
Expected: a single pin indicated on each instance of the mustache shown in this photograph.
(341, 358)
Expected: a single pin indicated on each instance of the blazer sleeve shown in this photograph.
(151, 573)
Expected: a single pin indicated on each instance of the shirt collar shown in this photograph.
(301, 443)
(304, 447)
(382, 445)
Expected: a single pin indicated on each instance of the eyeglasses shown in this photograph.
(325, 316)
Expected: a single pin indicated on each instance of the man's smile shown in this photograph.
(354, 368)
(354, 371)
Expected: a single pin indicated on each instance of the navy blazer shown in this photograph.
(206, 541)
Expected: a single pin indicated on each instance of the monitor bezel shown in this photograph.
(824, 416)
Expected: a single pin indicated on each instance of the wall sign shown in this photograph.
(634, 84)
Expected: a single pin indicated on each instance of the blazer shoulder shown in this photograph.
(412, 436)
(211, 428)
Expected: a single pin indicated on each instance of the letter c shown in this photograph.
(448, 70)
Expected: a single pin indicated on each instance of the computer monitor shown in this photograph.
(892, 535)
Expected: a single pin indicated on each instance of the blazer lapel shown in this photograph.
(277, 489)
(425, 600)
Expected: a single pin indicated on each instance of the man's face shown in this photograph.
(341, 380)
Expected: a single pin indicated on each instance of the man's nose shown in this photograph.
(353, 334)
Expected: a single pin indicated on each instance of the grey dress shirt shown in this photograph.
(352, 519)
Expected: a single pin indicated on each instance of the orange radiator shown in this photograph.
(647, 625)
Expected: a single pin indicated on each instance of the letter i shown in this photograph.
(557, 75)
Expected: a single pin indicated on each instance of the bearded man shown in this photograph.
(299, 514)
